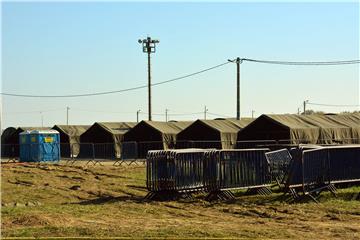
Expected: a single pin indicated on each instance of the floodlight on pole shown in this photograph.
(149, 46)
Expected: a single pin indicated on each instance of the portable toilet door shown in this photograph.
(25, 148)
(41, 145)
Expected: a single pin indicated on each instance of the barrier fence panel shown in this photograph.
(129, 150)
(280, 162)
(65, 150)
(179, 170)
(189, 169)
(87, 151)
(144, 147)
(105, 151)
(159, 171)
(9, 151)
(236, 169)
(344, 163)
(248, 144)
(315, 169)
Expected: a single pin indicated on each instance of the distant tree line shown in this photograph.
(310, 112)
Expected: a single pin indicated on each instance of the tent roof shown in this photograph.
(243, 122)
(32, 128)
(293, 121)
(117, 128)
(223, 126)
(72, 130)
(168, 127)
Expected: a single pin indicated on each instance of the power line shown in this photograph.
(116, 91)
(301, 63)
(39, 111)
(332, 105)
(100, 111)
(174, 114)
(185, 76)
(218, 115)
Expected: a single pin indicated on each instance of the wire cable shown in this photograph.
(39, 111)
(332, 105)
(218, 115)
(115, 91)
(301, 63)
(173, 114)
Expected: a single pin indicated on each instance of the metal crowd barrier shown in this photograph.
(344, 163)
(280, 162)
(10, 152)
(236, 169)
(330, 165)
(175, 170)
(314, 168)
(214, 171)
(129, 153)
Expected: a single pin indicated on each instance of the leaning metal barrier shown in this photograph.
(280, 162)
(316, 168)
(236, 169)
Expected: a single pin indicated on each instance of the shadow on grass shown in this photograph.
(111, 199)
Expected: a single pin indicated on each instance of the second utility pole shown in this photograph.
(238, 61)
(67, 115)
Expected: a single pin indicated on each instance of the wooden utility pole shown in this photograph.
(305, 102)
(67, 115)
(238, 61)
(149, 46)
(137, 115)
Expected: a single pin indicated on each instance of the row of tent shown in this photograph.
(292, 129)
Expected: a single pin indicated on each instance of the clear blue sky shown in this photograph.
(70, 48)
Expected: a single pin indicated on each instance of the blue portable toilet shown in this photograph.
(39, 146)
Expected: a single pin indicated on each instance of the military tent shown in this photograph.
(103, 139)
(295, 129)
(6, 146)
(70, 138)
(154, 135)
(219, 133)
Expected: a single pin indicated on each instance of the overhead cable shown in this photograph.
(115, 91)
(332, 105)
(307, 63)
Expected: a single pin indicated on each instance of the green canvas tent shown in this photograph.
(103, 139)
(218, 133)
(295, 129)
(154, 135)
(6, 147)
(70, 138)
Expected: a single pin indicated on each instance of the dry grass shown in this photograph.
(106, 201)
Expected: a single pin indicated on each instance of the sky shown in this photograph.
(75, 48)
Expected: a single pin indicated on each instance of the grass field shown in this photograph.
(106, 201)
